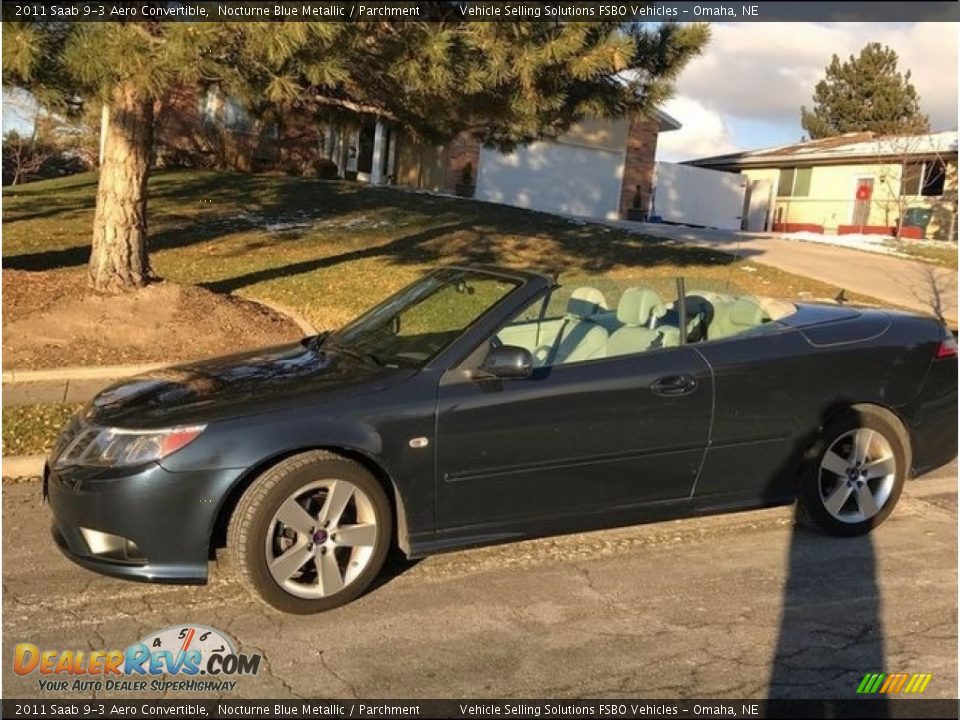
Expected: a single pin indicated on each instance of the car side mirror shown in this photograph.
(508, 361)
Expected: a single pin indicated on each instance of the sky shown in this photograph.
(18, 112)
(745, 91)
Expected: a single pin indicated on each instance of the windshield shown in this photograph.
(418, 322)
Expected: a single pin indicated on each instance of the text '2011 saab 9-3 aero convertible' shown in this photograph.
(484, 405)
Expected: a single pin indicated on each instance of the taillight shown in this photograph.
(947, 347)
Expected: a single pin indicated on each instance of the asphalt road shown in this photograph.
(743, 605)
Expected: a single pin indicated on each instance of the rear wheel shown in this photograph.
(311, 534)
(856, 472)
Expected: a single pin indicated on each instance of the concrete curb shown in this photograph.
(305, 325)
(23, 466)
(93, 372)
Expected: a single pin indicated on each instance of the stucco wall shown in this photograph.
(831, 200)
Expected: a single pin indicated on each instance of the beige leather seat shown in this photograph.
(638, 311)
(585, 302)
(742, 314)
(579, 338)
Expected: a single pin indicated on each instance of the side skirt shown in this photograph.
(473, 536)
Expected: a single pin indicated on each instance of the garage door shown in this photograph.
(553, 177)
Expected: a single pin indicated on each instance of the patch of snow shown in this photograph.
(280, 226)
(883, 244)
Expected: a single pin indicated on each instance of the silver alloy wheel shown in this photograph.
(857, 475)
(321, 538)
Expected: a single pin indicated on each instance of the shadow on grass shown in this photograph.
(189, 208)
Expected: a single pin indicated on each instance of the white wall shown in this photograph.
(695, 196)
(553, 177)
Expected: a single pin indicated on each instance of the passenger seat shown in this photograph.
(580, 338)
(638, 310)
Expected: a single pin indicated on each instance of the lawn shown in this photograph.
(330, 249)
(32, 429)
(943, 254)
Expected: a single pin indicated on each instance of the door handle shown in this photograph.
(673, 385)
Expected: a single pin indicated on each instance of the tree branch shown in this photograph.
(354, 106)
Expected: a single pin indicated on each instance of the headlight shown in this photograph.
(112, 447)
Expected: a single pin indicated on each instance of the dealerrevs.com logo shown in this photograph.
(181, 658)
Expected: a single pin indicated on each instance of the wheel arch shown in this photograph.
(837, 410)
(218, 534)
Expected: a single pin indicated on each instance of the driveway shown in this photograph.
(741, 605)
(898, 281)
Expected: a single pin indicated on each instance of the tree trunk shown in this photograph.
(118, 260)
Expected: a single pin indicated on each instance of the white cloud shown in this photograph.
(766, 71)
(703, 133)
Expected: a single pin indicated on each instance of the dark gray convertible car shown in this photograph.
(486, 405)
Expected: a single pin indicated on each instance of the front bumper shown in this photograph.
(168, 516)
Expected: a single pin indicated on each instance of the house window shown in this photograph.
(219, 109)
(209, 105)
(935, 172)
(925, 179)
(910, 178)
(794, 182)
(235, 116)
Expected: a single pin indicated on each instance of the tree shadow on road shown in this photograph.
(831, 627)
(831, 624)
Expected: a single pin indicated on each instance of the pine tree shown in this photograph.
(865, 93)
(508, 83)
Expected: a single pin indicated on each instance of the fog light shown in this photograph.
(112, 547)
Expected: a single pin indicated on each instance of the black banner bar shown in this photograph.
(481, 11)
(481, 709)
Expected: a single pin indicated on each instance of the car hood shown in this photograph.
(231, 386)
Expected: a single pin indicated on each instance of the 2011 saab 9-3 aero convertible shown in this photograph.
(484, 405)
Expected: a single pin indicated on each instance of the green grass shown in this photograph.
(944, 255)
(32, 429)
(331, 249)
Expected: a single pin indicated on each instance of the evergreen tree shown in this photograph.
(507, 82)
(865, 93)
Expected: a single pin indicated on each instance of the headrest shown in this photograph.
(638, 305)
(585, 302)
(746, 311)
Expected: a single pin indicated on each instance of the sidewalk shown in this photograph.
(65, 385)
(905, 283)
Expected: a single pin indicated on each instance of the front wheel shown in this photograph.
(856, 472)
(310, 534)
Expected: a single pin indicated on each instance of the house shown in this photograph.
(599, 168)
(858, 182)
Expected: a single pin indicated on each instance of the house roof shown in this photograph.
(665, 121)
(839, 149)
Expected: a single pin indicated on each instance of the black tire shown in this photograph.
(810, 499)
(252, 519)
